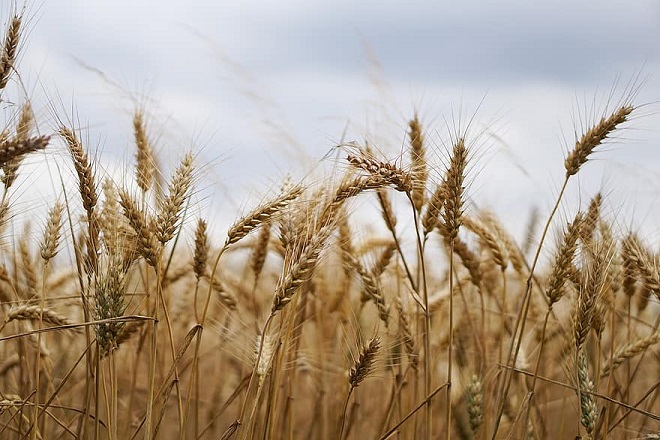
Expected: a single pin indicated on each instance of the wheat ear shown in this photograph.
(12, 149)
(593, 138)
(172, 205)
(52, 234)
(148, 246)
(145, 166)
(9, 50)
(419, 169)
(263, 212)
(629, 351)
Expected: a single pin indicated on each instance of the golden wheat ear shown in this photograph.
(145, 168)
(364, 364)
(419, 168)
(453, 187)
(172, 205)
(148, 246)
(9, 50)
(593, 138)
(246, 224)
(13, 149)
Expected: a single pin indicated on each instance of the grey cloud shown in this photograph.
(573, 45)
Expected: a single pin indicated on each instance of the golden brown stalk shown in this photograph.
(145, 167)
(171, 206)
(12, 149)
(594, 137)
(452, 208)
(389, 172)
(630, 351)
(419, 171)
(52, 233)
(9, 50)
(148, 246)
(563, 263)
(201, 249)
(263, 212)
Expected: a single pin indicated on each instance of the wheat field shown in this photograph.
(122, 317)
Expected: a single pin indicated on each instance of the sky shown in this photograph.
(260, 90)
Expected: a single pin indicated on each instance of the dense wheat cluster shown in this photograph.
(304, 324)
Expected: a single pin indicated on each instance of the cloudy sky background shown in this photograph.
(262, 89)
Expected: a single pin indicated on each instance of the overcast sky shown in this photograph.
(261, 89)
